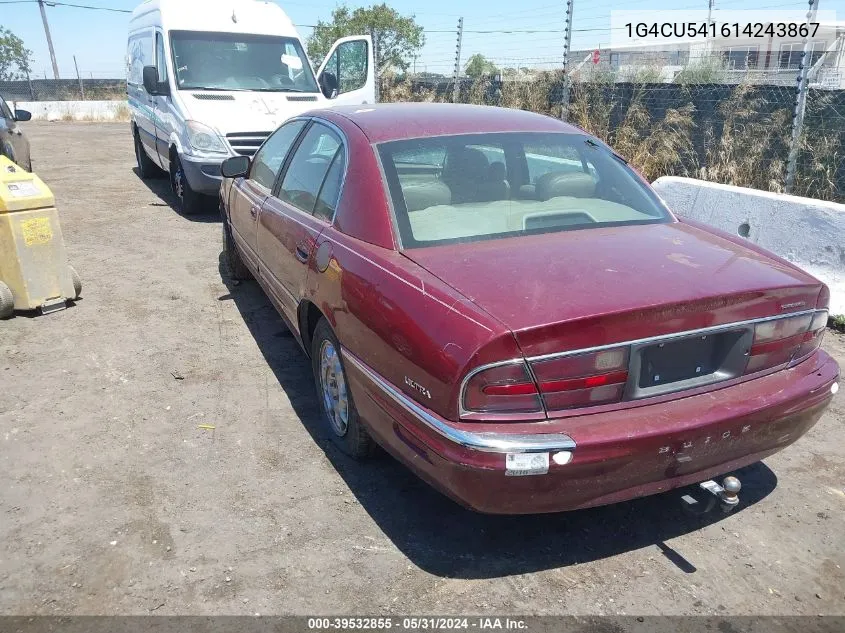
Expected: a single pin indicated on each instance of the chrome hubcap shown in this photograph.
(333, 386)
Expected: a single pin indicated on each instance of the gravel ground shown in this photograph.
(115, 501)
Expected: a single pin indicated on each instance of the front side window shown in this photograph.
(161, 62)
(488, 186)
(268, 161)
(139, 54)
(306, 176)
(349, 64)
(237, 61)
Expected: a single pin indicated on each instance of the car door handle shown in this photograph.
(302, 252)
(253, 211)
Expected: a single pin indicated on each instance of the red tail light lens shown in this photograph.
(783, 340)
(584, 379)
(502, 389)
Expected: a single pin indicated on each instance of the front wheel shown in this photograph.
(190, 202)
(339, 412)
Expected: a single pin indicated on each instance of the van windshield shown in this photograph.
(237, 61)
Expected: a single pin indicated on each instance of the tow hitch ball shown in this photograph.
(727, 495)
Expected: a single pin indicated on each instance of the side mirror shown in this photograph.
(23, 115)
(235, 167)
(328, 85)
(152, 84)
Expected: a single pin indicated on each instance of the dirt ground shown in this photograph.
(114, 501)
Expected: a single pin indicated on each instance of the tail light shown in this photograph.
(783, 340)
(502, 389)
(583, 379)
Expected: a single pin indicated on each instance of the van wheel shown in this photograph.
(339, 412)
(190, 202)
(237, 269)
(7, 302)
(146, 167)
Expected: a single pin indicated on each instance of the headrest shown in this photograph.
(497, 171)
(467, 162)
(560, 183)
(421, 195)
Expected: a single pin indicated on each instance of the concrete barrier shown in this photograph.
(807, 232)
(76, 110)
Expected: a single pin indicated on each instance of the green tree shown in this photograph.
(398, 37)
(478, 65)
(14, 57)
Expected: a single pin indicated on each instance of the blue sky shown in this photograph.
(98, 38)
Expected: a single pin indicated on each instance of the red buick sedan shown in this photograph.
(502, 303)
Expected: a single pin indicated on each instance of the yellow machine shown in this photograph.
(34, 273)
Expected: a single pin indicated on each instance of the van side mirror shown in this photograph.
(328, 85)
(23, 115)
(152, 84)
(235, 167)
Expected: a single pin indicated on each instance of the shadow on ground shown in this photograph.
(161, 188)
(445, 539)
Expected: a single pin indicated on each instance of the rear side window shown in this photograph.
(268, 161)
(308, 170)
(472, 187)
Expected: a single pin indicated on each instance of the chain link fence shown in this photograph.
(64, 90)
(736, 134)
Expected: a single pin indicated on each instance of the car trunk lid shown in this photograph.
(579, 289)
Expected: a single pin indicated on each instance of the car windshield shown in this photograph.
(485, 186)
(236, 61)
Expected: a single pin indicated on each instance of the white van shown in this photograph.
(210, 79)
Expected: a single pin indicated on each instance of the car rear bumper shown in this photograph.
(615, 456)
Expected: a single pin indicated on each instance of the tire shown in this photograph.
(77, 283)
(190, 202)
(146, 167)
(349, 435)
(236, 268)
(7, 302)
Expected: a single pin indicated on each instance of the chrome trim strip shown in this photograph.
(599, 348)
(668, 337)
(485, 442)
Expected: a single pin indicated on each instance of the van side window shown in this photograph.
(306, 175)
(268, 161)
(161, 60)
(349, 65)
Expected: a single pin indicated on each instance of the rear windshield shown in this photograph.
(485, 186)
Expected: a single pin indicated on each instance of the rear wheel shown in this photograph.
(190, 202)
(7, 302)
(237, 269)
(146, 167)
(339, 412)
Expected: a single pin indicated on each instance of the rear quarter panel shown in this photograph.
(403, 322)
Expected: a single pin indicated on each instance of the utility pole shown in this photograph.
(457, 89)
(567, 84)
(800, 101)
(79, 78)
(49, 39)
